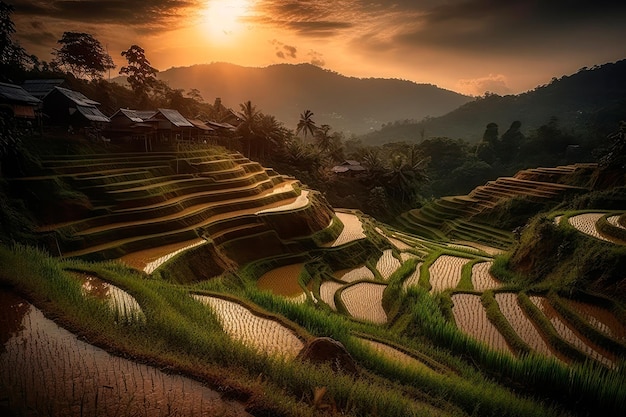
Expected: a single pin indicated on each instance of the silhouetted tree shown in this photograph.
(82, 55)
(12, 56)
(510, 142)
(140, 74)
(322, 138)
(306, 124)
(487, 149)
(273, 135)
(248, 129)
(616, 156)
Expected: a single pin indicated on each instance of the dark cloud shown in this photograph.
(323, 18)
(284, 51)
(512, 26)
(290, 50)
(473, 25)
(154, 14)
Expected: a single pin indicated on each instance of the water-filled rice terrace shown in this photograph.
(292, 269)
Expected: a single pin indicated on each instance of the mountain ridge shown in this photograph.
(590, 101)
(349, 104)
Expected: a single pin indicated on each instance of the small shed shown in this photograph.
(21, 104)
(349, 166)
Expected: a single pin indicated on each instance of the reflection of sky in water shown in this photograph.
(122, 303)
(12, 312)
(46, 370)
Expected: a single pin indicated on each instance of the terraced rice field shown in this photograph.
(445, 272)
(300, 202)
(601, 319)
(265, 335)
(399, 244)
(569, 334)
(405, 256)
(352, 230)
(586, 223)
(150, 267)
(148, 260)
(481, 278)
(46, 370)
(471, 318)
(522, 325)
(122, 303)
(387, 264)
(412, 279)
(327, 292)
(365, 301)
(395, 354)
(283, 280)
(354, 274)
(614, 221)
(489, 250)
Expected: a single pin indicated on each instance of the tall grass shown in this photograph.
(585, 388)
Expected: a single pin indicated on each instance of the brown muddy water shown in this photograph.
(282, 280)
(46, 370)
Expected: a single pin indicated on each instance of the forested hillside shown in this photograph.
(589, 102)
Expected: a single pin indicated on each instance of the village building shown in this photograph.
(171, 125)
(18, 102)
(349, 167)
(40, 88)
(74, 111)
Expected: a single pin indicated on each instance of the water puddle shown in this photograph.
(283, 280)
(46, 370)
(124, 305)
(263, 334)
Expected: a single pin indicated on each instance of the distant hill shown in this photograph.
(589, 101)
(348, 104)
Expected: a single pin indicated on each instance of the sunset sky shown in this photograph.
(469, 46)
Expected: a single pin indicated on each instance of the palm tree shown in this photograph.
(248, 127)
(273, 134)
(406, 174)
(306, 124)
(323, 139)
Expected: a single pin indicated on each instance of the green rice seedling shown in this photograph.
(504, 327)
(465, 283)
(589, 331)
(547, 329)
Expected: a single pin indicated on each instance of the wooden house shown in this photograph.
(171, 125)
(18, 102)
(70, 108)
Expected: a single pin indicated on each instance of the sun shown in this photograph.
(223, 18)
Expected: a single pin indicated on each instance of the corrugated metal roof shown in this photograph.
(145, 114)
(175, 118)
(131, 114)
(15, 94)
(227, 126)
(92, 113)
(76, 97)
(200, 124)
(41, 88)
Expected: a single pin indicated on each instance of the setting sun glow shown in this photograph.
(223, 18)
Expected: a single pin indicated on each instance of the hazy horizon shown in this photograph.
(467, 46)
